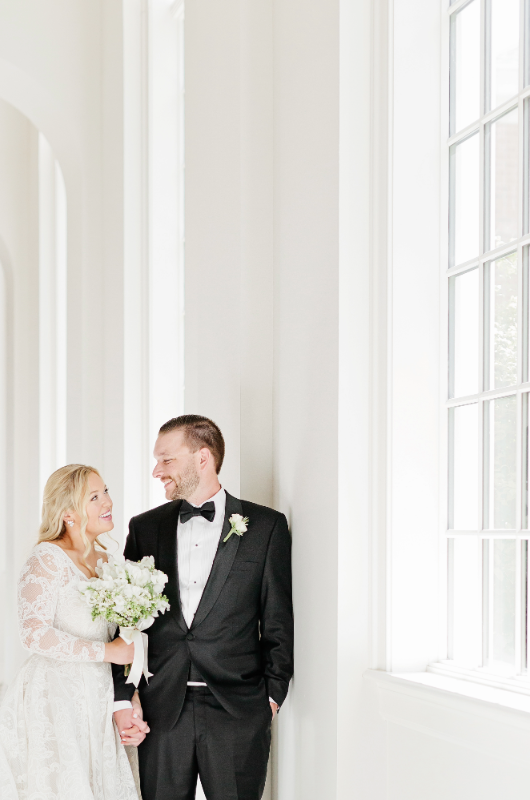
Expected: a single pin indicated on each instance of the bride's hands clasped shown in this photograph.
(132, 727)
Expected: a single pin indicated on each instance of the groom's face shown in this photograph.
(176, 466)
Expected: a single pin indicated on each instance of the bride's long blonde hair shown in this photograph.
(67, 489)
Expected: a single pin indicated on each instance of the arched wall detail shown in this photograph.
(29, 97)
(7, 576)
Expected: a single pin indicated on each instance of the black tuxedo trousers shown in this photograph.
(241, 643)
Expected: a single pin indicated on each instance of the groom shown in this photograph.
(222, 657)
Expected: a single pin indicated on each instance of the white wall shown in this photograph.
(299, 287)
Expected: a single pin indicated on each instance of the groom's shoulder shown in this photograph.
(264, 514)
(155, 515)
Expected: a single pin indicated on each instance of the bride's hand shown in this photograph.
(134, 736)
(117, 652)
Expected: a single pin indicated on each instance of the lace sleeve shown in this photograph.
(38, 588)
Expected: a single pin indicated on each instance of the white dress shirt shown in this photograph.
(197, 542)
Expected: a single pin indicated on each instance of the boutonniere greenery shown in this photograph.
(239, 526)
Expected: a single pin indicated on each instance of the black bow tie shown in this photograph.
(187, 511)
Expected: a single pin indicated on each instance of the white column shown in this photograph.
(166, 221)
(52, 314)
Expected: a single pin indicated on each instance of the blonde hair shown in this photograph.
(67, 489)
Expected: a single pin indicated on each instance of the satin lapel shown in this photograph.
(167, 561)
(224, 558)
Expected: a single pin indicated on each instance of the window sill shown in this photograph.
(486, 719)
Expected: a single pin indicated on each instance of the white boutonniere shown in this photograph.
(239, 526)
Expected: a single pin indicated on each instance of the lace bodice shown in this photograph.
(54, 620)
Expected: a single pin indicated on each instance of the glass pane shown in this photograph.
(464, 201)
(487, 583)
(465, 601)
(526, 167)
(525, 320)
(500, 463)
(503, 649)
(463, 467)
(527, 42)
(465, 66)
(500, 322)
(524, 443)
(502, 69)
(463, 334)
(501, 181)
(524, 591)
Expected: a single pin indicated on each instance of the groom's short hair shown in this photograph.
(199, 432)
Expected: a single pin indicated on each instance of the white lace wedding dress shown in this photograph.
(57, 736)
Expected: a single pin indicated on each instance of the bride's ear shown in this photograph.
(67, 519)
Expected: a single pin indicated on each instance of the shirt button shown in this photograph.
(190, 637)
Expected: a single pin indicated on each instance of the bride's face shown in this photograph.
(99, 507)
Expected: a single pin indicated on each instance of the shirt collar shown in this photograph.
(219, 501)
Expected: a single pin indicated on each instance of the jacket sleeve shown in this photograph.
(123, 690)
(276, 622)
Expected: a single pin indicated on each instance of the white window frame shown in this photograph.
(446, 667)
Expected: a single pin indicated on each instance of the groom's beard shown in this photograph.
(186, 484)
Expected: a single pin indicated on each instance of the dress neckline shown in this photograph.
(70, 560)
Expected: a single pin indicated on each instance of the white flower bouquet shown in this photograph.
(130, 595)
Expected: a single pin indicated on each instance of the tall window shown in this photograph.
(489, 374)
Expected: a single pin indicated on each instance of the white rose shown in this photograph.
(144, 577)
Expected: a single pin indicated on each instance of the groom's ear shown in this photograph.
(205, 459)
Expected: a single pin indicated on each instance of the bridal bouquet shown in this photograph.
(130, 595)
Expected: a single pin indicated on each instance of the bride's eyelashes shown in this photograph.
(97, 495)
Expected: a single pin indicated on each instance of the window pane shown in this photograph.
(526, 168)
(525, 316)
(464, 600)
(500, 322)
(527, 42)
(502, 68)
(501, 181)
(463, 467)
(524, 598)
(464, 205)
(465, 66)
(463, 334)
(500, 463)
(503, 649)
(525, 460)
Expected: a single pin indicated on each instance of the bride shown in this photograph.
(57, 736)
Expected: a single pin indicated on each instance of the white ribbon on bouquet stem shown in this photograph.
(139, 665)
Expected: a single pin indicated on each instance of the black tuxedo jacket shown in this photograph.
(241, 638)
